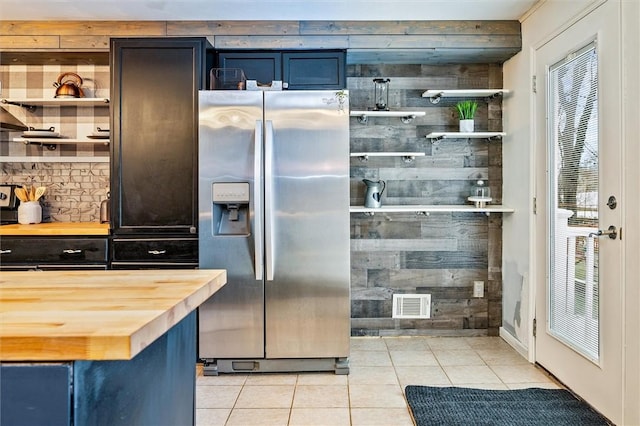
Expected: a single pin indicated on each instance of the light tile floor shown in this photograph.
(373, 393)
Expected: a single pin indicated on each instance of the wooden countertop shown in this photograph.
(56, 228)
(95, 315)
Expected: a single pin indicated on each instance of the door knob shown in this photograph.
(611, 231)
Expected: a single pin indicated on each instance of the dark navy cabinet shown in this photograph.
(154, 107)
(298, 70)
(264, 67)
(321, 70)
(154, 158)
(156, 387)
(49, 253)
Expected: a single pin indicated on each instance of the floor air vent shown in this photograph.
(411, 306)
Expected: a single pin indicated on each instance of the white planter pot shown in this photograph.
(29, 212)
(466, 126)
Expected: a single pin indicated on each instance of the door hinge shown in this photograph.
(535, 205)
(535, 327)
(534, 85)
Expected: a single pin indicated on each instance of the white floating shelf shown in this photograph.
(52, 159)
(471, 135)
(432, 209)
(406, 116)
(387, 154)
(33, 102)
(58, 141)
(435, 95)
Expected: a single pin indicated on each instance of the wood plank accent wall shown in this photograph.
(441, 254)
(486, 41)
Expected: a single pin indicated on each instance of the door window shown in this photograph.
(573, 283)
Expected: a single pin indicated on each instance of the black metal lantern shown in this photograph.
(381, 94)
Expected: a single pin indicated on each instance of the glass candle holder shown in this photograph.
(381, 94)
(481, 190)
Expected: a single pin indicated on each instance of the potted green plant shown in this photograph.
(466, 112)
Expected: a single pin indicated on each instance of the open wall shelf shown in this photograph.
(406, 116)
(436, 94)
(436, 136)
(32, 103)
(425, 209)
(406, 156)
(60, 141)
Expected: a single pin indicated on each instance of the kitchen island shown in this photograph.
(100, 347)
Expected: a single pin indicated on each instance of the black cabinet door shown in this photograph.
(317, 70)
(154, 93)
(264, 67)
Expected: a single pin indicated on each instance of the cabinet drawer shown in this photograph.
(53, 250)
(155, 250)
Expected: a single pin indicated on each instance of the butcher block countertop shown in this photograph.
(95, 315)
(56, 228)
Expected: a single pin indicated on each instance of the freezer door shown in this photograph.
(231, 323)
(307, 224)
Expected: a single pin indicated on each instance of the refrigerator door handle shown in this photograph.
(257, 200)
(268, 200)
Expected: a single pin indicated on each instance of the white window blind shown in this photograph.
(573, 216)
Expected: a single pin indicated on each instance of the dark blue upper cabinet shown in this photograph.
(320, 70)
(264, 67)
(298, 70)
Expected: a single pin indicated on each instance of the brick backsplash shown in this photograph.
(74, 190)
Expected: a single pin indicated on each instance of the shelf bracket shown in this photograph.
(362, 119)
(408, 158)
(408, 119)
(435, 99)
(49, 146)
(364, 158)
(28, 107)
(491, 97)
(494, 138)
(436, 139)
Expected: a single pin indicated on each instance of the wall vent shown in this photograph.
(411, 306)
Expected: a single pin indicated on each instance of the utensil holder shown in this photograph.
(29, 212)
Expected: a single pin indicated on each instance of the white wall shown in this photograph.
(631, 206)
(519, 176)
(539, 25)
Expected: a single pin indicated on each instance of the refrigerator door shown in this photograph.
(307, 224)
(231, 323)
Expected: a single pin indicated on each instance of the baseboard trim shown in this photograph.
(514, 343)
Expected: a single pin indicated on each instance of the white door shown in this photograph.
(578, 135)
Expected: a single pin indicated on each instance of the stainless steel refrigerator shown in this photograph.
(274, 212)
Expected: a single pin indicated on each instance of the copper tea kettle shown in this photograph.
(69, 86)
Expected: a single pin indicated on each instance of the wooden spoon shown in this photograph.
(21, 193)
(39, 192)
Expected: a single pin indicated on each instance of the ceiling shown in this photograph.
(211, 10)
